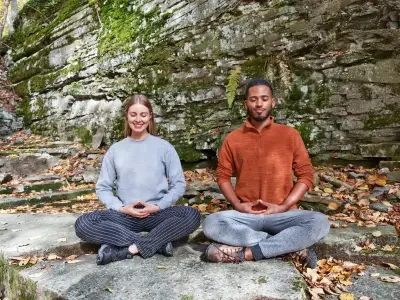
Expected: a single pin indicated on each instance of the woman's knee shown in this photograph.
(82, 223)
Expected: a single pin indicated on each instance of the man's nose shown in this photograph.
(259, 102)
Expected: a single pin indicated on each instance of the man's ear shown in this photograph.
(245, 104)
(273, 102)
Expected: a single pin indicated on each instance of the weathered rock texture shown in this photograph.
(335, 65)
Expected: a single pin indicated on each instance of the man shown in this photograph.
(265, 222)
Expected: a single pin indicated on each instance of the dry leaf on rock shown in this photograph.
(333, 206)
(346, 296)
(365, 298)
(375, 274)
(53, 256)
(161, 267)
(390, 278)
(377, 233)
(73, 261)
(391, 266)
(71, 257)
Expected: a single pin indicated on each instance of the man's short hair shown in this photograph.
(258, 81)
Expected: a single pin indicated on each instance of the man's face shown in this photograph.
(259, 103)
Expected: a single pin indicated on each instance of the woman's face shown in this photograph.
(138, 118)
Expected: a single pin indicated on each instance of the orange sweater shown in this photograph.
(263, 162)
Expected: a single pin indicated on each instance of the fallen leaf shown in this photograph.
(35, 237)
(109, 290)
(387, 203)
(328, 190)
(365, 298)
(161, 267)
(346, 282)
(391, 278)
(2, 229)
(363, 202)
(388, 248)
(377, 233)
(53, 256)
(357, 248)
(62, 240)
(391, 266)
(73, 261)
(375, 274)
(24, 261)
(333, 205)
(346, 296)
(71, 257)
(33, 260)
(16, 230)
(318, 290)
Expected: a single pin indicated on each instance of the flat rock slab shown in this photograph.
(340, 243)
(182, 277)
(26, 233)
(373, 287)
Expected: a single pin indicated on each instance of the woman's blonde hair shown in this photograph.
(139, 99)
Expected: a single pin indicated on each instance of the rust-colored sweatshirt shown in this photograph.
(263, 162)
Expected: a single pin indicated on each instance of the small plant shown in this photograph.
(233, 82)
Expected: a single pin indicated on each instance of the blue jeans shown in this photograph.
(267, 235)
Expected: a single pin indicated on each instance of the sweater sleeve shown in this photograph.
(105, 183)
(177, 180)
(302, 167)
(225, 164)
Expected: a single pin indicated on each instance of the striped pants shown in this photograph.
(118, 229)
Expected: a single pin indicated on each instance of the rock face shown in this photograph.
(335, 66)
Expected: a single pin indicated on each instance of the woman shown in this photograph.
(140, 164)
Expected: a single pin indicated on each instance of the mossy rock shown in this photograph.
(188, 153)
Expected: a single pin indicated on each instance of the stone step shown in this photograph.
(46, 186)
(62, 152)
(48, 197)
(372, 286)
(341, 243)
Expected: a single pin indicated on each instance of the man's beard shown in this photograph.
(258, 118)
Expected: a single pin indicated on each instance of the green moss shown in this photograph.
(84, 135)
(255, 67)
(74, 88)
(24, 110)
(379, 121)
(40, 110)
(118, 129)
(16, 287)
(30, 37)
(188, 153)
(299, 284)
(261, 279)
(305, 130)
(22, 88)
(322, 94)
(187, 297)
(124, 26)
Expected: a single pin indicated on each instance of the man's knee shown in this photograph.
(212, 225)
(320, 226)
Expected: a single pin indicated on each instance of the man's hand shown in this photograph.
(250, 208)
(135, 212)
(272, 208)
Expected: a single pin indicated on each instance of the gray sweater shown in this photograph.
(140, 169)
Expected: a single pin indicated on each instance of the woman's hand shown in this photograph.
(150, 208)
(134, 212)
